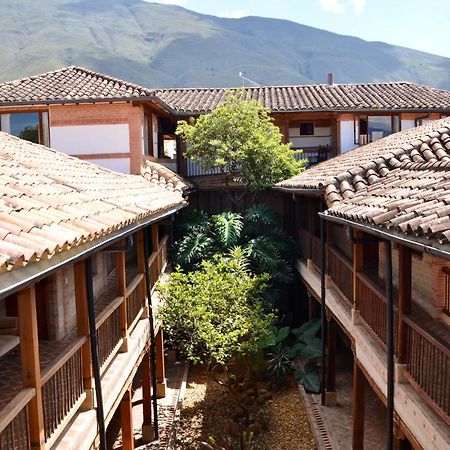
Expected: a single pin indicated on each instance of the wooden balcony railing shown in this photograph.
(62, 388)
(14, 433)
(135, 300)
(372, 303)
(158, 261)
(109, 334)
(340, 270)
(428, 367)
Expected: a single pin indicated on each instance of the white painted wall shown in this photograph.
(347, 139)
(322, 136)
(408, 123)
(84, 139)
(121, 165)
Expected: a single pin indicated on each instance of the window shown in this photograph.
(32, 126)
(307, 129)
(372, 128)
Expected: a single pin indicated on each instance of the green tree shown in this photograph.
(239, 138)
(216, 313)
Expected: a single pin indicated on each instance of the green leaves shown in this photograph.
(193, 248)
(239, 138)
(227, 228)
(215, 313)
(309, 378)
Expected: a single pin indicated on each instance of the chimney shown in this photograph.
(330, 78)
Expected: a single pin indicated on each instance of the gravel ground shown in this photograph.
(207, 411)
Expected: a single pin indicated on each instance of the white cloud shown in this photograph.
(358, 5)
(169, 2)
(235, 14)
(333, 6)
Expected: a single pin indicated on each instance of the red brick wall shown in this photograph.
(104, 114)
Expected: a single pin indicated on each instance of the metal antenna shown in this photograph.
(244, 79)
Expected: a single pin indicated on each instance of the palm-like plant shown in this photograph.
(267, 249)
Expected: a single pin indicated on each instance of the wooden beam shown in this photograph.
(83, 330)
(122, 288)
(160, 365)
(404, 299)
(126, 420)
(148, 432)
(358, 408)
(31, 372)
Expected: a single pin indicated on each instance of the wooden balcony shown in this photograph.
(63, 366)
(427, 353)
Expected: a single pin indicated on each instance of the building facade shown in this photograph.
(81, 248)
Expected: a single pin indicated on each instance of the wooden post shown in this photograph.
(404, 299)
(126, 420)
(358, 407)
(141, 269)
(122, 287)
(358, 253)
(160, 366)
(330, 394)
(31, 372)
(155, 246)
(83, 330)
(148, 431)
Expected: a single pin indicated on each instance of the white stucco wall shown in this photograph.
(121, 165)
(347, 138)
(407, 124)
(86, 139)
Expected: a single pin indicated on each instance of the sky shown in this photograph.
(418, 24)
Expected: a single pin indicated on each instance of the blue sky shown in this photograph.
(419, 24)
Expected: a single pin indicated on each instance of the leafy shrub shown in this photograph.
(215, 313)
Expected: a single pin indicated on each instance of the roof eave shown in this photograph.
(21, 278)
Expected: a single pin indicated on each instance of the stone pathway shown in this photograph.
(334, 423)
(168, 412)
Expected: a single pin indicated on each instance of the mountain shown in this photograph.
(168, 46)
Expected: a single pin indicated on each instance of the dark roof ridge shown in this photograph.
(80, 69)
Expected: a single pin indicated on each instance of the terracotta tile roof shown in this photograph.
(162, 176)
(315, 97)
(50, 202)
(69, 84)
(354, 169)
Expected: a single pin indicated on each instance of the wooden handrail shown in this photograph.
(108, 311)
(163, 240)
(371, 285)
(152, 258)
(434, 340)
(134, 284)
(13, 408)
(74, 347)
(345, 260)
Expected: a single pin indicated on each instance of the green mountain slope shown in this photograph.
(161, 46)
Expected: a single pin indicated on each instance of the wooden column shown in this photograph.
(358, 408)
(126, 420)
(330, 394)
(31, 372)
(141, 269)
(404, 299)
(83, 330)
(357, 267)
(122, 288)
(155, 246)
(160, 366)
(148, 431)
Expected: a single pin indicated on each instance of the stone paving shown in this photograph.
(168, 412)
(337, 420)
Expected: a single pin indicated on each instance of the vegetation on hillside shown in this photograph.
(167, 46)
